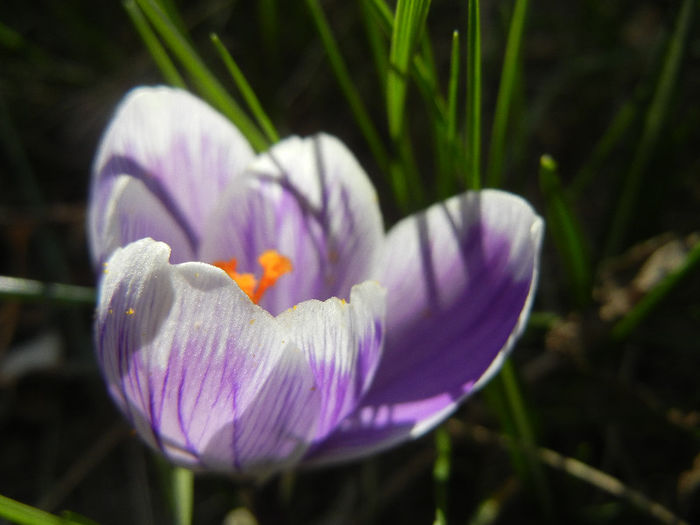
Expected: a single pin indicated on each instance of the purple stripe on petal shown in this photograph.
(460, 278)
(198, 367)
(180, 148)
(311, 201)
(343, 342)
(135, 213)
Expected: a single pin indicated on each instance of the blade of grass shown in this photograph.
(426, 57)
(624, 327)
(380, 52)
(505, 94)
(446, 178)
(452, 86)
(384, 15)
(347, 86)
(567, 233)
(473, 122)
(206, 82)
(441, 473)
(246, 91)
(183, 495)
(653, 123)
(27, 289)
(525, 433)
(409, 22)
(422, 66)
(158, 53)
(27, 515)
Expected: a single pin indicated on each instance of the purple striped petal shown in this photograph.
(206, 376)
(343, 343)
(134, 213)
(182, 150)
(311, 201)
(460, 279)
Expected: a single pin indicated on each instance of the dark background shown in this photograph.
(629, 409)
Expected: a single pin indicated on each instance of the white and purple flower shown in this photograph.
(254, 315)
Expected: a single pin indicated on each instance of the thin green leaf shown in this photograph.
(383, 14)
(473, 123)
(157, 51)
(23, 514)
(409, 22)
(441, 473)
(29, 290)
(207, 83)
(566, 232)
(427, 57)
(446, 177)
(525, 433)
(452, 86)
(624, 327)
(182, 486)
(347, 86)
(511, 59)
(380, 52)
(423, 67)
(246, 91)
(653, 123)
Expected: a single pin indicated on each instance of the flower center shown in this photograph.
(274, 266)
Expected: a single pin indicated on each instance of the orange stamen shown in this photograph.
(274, 266)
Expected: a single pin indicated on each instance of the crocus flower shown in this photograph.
(253, 314)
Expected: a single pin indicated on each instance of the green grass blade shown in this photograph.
(384, 15)
(566, 232)
(653, 123)
(347, 86)
(497, 150)
(446, 177)
(157, 51)
(427, 59)
(408, 25)
(624, 327)
(23, 514)
(207, 83)
(380, 52)
(182, 487)
(473, 122)
(452, 86)
(246, 91)
(30, 290)
(441, 473)
(525, 432)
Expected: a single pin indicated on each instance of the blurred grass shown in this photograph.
(606, 89)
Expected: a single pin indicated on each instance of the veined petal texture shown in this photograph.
(183, 151)
(343, 343)
(310, 200)
(213, 380)
(460, 279)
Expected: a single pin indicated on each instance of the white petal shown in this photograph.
(203, 373)
(178, 146)
(311, 201)
(343, 342)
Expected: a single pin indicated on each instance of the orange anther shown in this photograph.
(274, 266)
